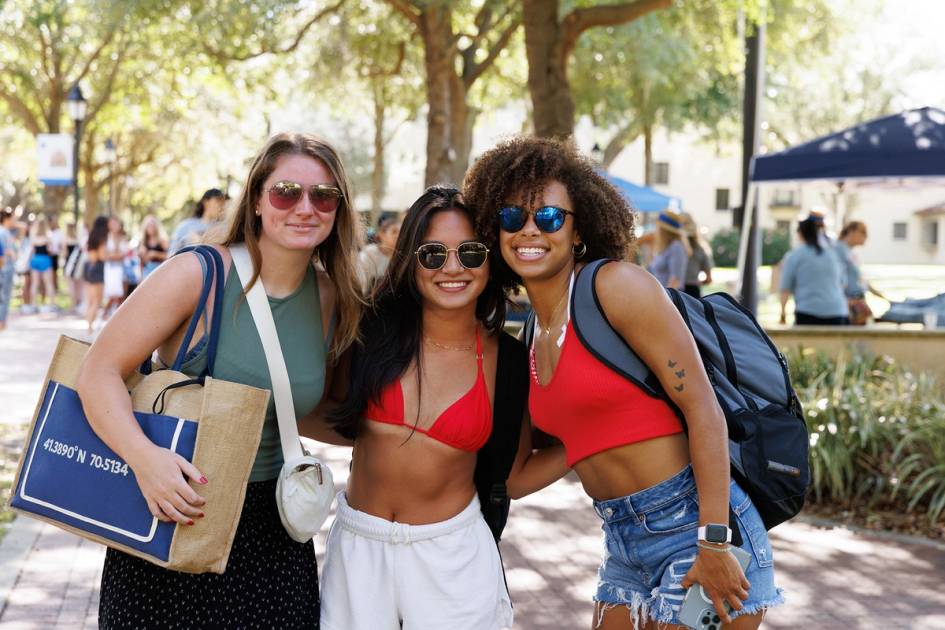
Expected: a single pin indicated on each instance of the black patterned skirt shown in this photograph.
(270, 581)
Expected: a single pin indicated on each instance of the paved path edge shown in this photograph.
(15, 546)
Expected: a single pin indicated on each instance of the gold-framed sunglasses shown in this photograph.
(285, 195)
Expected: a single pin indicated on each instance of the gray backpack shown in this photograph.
(768, 440)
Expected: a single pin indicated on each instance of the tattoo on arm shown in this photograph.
(680, 374)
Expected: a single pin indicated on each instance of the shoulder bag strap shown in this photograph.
(266, 327)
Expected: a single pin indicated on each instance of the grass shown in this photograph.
(897, 282)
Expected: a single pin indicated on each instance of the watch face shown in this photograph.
(716, 533)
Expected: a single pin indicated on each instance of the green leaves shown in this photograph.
(877, 432)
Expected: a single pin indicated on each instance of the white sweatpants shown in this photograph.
(383, 575)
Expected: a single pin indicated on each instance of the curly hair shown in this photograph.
(521, 167)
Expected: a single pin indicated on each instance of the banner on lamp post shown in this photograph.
(55, 158)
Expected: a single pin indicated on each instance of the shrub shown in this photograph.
(774, 245)
(877, 431)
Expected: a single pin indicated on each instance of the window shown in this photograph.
(783, 198)
(660, 172)
(783, 226)
(899, 231)
(931, 233)
(721, 199)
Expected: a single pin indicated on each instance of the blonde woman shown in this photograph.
(672, 251)
(152, 245)
(41, 265)
(296, 219)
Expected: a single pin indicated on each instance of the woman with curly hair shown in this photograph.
(544, 211)
(410, 547)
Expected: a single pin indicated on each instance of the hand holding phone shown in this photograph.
(697, 610)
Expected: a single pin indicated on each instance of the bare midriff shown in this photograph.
(624, 470)
(416, 481)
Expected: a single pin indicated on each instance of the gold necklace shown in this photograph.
(444, 346)
(554, 315)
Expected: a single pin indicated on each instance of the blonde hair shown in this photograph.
(161, 234)
(665, 238)
(40, 227)
(337, 254)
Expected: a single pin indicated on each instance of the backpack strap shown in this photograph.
(212, 265)
(599, 337)
(494, 460)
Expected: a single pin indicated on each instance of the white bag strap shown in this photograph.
(266, 327)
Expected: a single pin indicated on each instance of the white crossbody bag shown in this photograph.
(305, 489)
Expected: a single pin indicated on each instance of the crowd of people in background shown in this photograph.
(95, 268)
(824, 278)
(99, 267)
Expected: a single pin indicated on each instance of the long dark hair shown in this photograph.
(391, 331)
(98, 234)
(810, 233)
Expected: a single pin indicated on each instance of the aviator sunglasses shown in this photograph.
(323, 197)
(547, 218)
(470, 254)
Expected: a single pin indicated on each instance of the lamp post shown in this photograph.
(111, 154)
(77, 107)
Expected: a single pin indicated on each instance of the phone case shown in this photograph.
(697, 610)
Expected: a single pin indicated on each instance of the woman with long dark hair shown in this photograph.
(813, 275)
(664, 497)
(409, 547)
(94, 275)
(297, 222)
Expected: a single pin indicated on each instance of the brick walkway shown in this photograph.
(834, 578)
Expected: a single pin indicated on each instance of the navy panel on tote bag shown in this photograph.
(72, 477)
(102, 496)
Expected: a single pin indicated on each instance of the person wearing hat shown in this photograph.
(672, 250)
(208, 211)
(813, 275)
(700, 260)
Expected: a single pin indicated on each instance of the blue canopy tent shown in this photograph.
(908, 144)
(643, 199)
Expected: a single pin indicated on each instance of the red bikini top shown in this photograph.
(466, 424)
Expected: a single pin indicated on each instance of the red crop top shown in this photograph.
(591, 408)
(466, 424)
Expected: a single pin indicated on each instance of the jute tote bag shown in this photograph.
(68, 477)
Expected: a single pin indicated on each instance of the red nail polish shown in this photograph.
(203, 480)
(190, 522)
(201, 515)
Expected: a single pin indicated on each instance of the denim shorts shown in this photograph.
(650, 544)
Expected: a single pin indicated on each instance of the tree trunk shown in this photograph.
(437, 32)
(378, 177)
(461, 128)
(648, 154)
(552, 104)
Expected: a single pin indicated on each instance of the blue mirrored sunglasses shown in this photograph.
(547, 218)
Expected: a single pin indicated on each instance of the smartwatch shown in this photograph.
(715, 533)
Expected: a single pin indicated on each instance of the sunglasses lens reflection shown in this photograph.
(511, 219)
(549, 219)
(283, 196)
(472, 255)
(432, 256)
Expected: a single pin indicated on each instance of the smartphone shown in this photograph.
(697, 610)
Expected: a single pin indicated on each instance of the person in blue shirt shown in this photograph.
(813, 275)
(672, 251)
(853, 235)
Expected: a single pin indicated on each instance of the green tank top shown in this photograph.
(240, 357)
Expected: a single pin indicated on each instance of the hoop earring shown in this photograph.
(579, 253)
